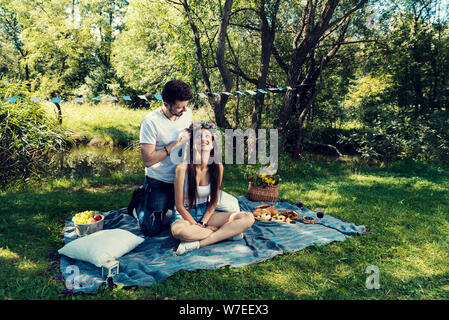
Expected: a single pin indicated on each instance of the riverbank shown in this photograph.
(105, 124)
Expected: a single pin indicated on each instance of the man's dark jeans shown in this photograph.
(159, 197)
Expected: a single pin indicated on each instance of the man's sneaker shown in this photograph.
(137, 196)
(135, 216)
(187, 246)
(237, 237)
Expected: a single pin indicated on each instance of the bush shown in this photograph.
(331, 136)
(29, 141)
(393, 137)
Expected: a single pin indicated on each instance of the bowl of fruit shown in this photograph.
(88, 222)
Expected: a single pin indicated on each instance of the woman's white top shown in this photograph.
(203, 193)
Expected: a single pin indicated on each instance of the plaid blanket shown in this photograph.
(154, 260)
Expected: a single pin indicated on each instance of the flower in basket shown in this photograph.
(262, 186)
(264, 180)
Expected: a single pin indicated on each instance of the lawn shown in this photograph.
(406, 205)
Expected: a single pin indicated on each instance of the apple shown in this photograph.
(97, 217)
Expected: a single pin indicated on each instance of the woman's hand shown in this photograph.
(194, 223)
(213, 228)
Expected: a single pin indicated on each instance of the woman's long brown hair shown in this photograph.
(214, 177)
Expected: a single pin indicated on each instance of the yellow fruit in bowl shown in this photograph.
(84, 217)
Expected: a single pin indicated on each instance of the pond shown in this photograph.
(88, 161)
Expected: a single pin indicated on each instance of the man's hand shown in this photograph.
(183, 137)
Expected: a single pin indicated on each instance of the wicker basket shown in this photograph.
(263, 193)
(82, 230)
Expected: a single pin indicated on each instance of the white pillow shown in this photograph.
(101, 246)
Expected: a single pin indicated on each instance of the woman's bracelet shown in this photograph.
(203, 224)
(165, 148)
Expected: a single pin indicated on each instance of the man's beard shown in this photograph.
(175, 114)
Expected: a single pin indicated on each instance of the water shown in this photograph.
(87, 161)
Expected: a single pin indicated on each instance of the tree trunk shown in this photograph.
(217, 106)
(303, 69)
(305, 103)
(267, 35)
(222, 67)
(305, 42)
(59, 114)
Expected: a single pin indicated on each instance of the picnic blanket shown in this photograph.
(155, 260)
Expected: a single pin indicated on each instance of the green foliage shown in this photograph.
(154, 47)
(397, 137)
(368, 97)
(411, 49)
(29, 141)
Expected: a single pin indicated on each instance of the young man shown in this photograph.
(162, 131)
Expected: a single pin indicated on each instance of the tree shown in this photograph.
(63, 43)
(307, 62)
(264, 14)
(218, 103)
(153, 47)
(11, 30)
(412, 51)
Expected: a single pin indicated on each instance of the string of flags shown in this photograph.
(158, 97)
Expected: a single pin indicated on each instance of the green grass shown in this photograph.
(406, 205)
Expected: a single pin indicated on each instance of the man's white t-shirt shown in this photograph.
(157, 129)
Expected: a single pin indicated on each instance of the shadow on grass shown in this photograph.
(32, 218)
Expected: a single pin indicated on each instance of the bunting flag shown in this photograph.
(12, 99)
(158, 97)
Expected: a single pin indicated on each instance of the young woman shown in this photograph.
(197, 189)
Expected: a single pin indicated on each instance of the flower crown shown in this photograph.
(207, 124)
